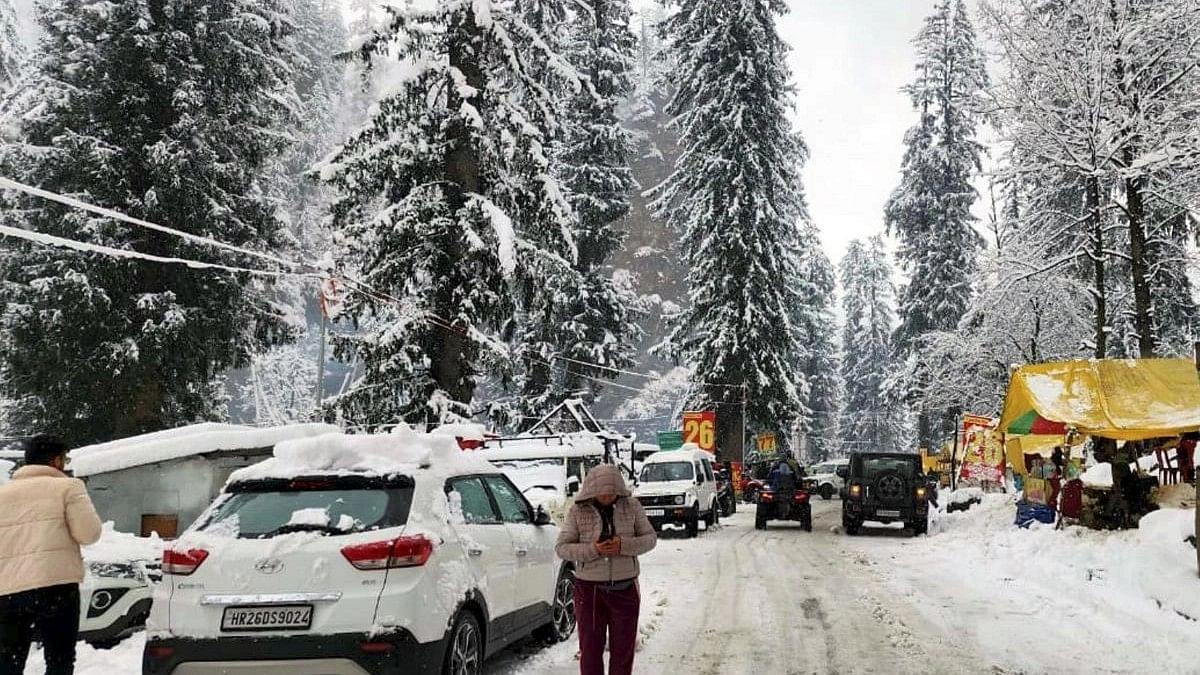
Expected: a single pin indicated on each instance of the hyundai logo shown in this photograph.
(269, 566)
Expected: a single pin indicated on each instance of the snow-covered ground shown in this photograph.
(978, 596)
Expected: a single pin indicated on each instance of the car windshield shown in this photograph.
(660, 472)
(339, 506)
(874, 466)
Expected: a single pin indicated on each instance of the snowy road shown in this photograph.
(737, 601)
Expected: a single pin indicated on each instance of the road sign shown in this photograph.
(670, 440)
(701, 428)
(767, 444)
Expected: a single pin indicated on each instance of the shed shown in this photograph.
(161, 482)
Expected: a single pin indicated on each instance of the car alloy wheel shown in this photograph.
(466, 652)
(564, 607)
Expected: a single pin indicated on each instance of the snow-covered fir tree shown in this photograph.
(872, 418)
(735, 196)
(822, 368)
(930, 211)
(95, 347)
(597, 323)
(12, 51)
(450, 211)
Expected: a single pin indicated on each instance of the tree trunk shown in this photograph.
(1101, 298)
(449, 354)
(1138, 264)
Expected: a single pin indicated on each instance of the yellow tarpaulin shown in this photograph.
(1121, 399)
(1016, 447)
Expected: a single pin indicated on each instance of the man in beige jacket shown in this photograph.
(45, 516)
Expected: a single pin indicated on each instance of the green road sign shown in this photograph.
(670, 440)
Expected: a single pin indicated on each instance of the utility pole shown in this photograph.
(321, 363)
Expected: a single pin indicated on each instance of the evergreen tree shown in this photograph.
(11, 49)
(167, 111)
(872, 419)
(822, 368)
(930, 211)
(594, 323)
(449, 206)
(735, 197)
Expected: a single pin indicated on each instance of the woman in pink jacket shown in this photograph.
(45, 516)
(603, 535)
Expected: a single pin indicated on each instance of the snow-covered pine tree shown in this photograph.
(597, 324)
(11, 49)
(165, 111)
(736, 197)
(450, 208)
(871, 417)
(822, 367)
(930, 211)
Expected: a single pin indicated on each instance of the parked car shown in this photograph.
(678, 487)
(349, 565)
(115, 600)
(885, 487)
(823, 478)
(548, 471)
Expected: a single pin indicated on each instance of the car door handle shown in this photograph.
(522, 552)
(475, 552)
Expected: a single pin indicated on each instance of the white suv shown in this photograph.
(679, 487)
(336, 558)
(824, 480)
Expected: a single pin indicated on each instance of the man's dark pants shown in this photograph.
(52, 612)
(611, 614)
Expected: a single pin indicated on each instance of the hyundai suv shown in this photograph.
(325, 563)
(885, 488)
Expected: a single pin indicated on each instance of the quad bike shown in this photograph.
(783, 505)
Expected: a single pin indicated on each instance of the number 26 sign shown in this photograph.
(701, 428)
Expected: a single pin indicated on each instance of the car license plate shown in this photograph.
(278, 617)
(888, 514)
(656, 513)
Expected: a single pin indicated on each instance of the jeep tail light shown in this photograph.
(766, 496)
(856, 491)
(801, 496)
(183, 563)
(382, 555)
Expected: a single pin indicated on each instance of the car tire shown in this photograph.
(827, 492)
(562, 624)
(732, 506)
(850, 527)
(716, 515)
(760, 523)
(920, 527)
(693, 524)
(464, 648)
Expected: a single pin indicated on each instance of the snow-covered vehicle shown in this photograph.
(678, 487)
(823, 478)
(885, 487)
(341, 555)
(547, 470)
(115, 600)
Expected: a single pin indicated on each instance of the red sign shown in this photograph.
(701, 428)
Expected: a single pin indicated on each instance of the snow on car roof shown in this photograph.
(684, 454)
(403, 451)
(197, 439)
(573, 445)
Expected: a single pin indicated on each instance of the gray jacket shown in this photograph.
(582, 527)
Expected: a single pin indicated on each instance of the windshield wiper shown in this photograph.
(304, 527)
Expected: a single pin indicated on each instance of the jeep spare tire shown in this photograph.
(889, 488)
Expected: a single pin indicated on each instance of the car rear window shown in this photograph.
(875, 466)
(331, 506)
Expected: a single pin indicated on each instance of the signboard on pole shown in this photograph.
(983, 450)
(767, 444)
(701, 428)
(670, 440)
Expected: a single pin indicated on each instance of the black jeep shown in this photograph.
(884, 487)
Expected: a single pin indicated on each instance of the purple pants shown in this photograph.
(606, 616)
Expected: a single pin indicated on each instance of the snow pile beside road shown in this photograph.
(965, 495)
(403, 451)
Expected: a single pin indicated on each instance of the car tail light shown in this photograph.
(767, 496)
(160, 652)
(377, 647)
(183, 563)
(381, 555)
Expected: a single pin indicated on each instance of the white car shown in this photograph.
(678, 487)
(331, 560)
(115, 601)
(824, 480)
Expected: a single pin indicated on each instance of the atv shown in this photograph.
(783, 505)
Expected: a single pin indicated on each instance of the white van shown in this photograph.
(678, 487)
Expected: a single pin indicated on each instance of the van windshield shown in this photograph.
(331, 506)
(661, 472)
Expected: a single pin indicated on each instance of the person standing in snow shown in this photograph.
(603, 534)
(45, 516)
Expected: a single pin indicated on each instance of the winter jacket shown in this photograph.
(45, 516)
(581, 529)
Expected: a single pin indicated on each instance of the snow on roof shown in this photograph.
(198, 439)
(571, 445)
(473, 432)
(403, 451)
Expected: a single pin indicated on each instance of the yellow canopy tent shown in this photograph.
(1126, 400)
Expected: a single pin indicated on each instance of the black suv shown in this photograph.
(884, 487)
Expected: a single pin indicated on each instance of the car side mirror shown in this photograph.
(541, 518)
(843, 472)
(572, 486)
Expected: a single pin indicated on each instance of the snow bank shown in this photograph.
(403, 451)
(965, 495)
(183, 442)
(1099, 475)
